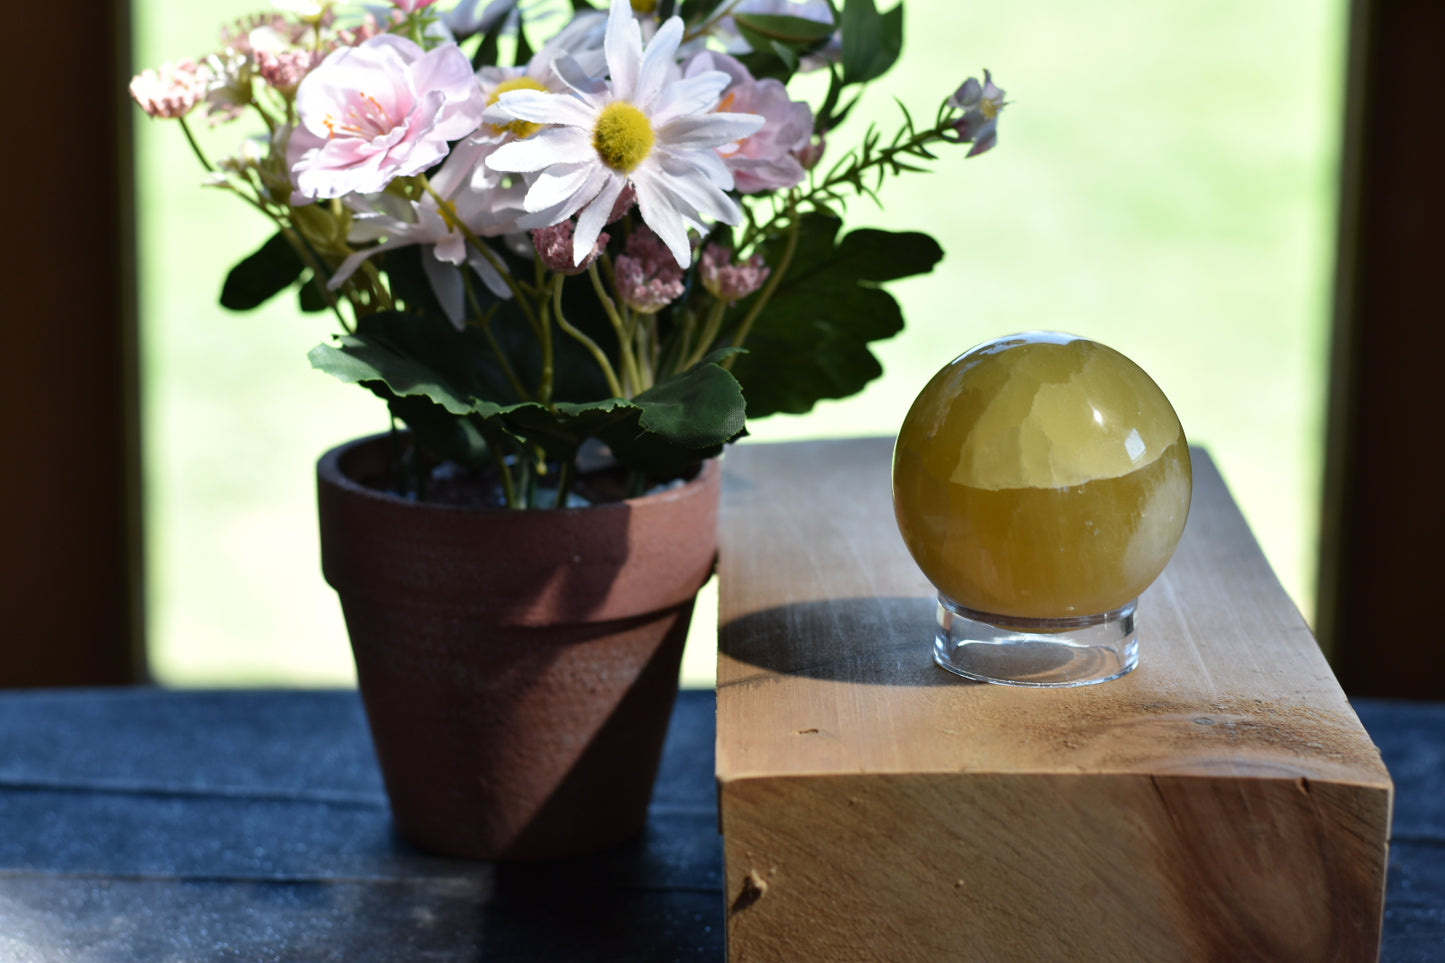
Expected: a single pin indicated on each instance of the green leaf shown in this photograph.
(487, 49)
(358, 361)
(522, 53)
(662, 432)
(561, 430)
(812, 339)
(872, 41)
(779, 42)
(799, 33)
(407, 278)
(416, 354)
(312, 296)
(680, 422)
(461, 359)
(440, 432)
(829, 114)
(699, 408)
(695, 12)
(446, 385)
(264, 274)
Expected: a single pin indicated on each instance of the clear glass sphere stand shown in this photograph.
(1041, 653)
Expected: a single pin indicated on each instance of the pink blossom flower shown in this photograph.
(378, 111)
(727, 281)
(648, 276)
(765, 160)
(412, 6)
(554, 247)
(171, 91)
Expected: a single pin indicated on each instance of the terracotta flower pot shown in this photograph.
(518, 667)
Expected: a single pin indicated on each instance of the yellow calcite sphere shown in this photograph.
(1041, 475)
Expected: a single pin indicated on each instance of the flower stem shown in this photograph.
(303, 250)
(549, 360)
(196, 147)
(564, 483)
(774, 279)
(845, 172)
(679, 347)
(709, 333)
(448, 211)
(504, 474)
(511, 375)
(624, 345)
(608, 372)
(703, 28)
(484, 323)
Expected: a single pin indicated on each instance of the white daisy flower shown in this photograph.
(645, 125)
(540, 73)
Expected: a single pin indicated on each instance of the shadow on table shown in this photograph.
(870, 641)
(631, 903)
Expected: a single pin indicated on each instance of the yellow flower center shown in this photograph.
(644, 6)
(622, 136)
(989, 108)
(522, 128)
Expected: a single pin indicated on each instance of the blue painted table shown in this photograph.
(149, 824)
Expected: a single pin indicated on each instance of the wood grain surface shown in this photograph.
(1221, 802)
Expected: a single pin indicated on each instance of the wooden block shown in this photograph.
(1220, 803)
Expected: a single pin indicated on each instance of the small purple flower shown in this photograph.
(727, 281)
(980, 103)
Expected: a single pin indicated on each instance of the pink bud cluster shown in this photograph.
(554, 247)
(727, 281)
(237, 36)
(812, 152)
(648, 276)
(284, 69)
(172, 91)
(362, 32)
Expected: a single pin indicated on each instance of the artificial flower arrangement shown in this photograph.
(624, 241)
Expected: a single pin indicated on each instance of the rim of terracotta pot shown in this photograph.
(588, 564)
